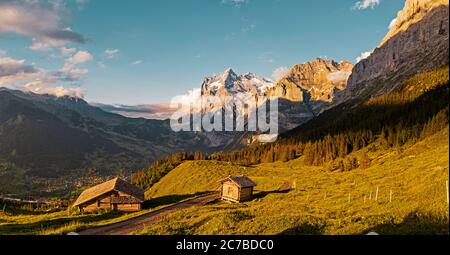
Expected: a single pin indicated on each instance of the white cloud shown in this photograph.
(364, 4)
(392, 24)
(81, 57)
(43, 21)
(12, 70)
(66, 52)
(111, 53)
(70, 71)
(58, 91)
(280, 73)
(150, 111)
(248, 28)
(19, 75)
(191, 96)
(339, 76)
(235, 3)
(137, 62)
(363, 56)
(71, 74)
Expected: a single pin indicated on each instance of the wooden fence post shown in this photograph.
(376, 194)
(390, 197)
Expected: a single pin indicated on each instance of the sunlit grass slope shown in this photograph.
(18, 221)
(321, 202)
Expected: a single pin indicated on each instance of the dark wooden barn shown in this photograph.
(116, 194)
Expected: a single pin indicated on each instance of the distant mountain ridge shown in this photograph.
(50, 138)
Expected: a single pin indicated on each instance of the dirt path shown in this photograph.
(138, 223)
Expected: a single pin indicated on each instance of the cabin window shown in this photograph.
(98, 203)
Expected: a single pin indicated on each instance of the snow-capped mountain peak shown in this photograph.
(229, 83)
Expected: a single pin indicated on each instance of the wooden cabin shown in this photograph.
(116, 194)
(237, 189)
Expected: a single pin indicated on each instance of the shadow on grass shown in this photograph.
(414, 224)
(12, 210)
(304, 229)
(262, 194)
(4, 221)
(171, 199)
(35, 227)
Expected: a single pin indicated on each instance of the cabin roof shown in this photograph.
(242, 181)
(116, 184)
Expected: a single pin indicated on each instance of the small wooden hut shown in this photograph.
(237, 189)
(116, 194)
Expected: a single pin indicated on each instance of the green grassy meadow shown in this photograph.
(321, 201)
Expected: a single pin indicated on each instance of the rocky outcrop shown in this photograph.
(414, 11)
(316, 80)
(418, 42)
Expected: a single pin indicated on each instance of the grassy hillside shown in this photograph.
(25, 221)
(194, 177)
(321, 202)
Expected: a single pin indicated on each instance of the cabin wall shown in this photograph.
(104, 203)
(129, 207)
(101, 203)
(230, 191)
(246, 194)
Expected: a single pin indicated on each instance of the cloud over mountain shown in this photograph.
(18, 74)
(13, 69)
(280, 73)
(148, 111)
(363, 56)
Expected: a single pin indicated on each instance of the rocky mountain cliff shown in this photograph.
(317, 79)
(417, 42)
(413, 12)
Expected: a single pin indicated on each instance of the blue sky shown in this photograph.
(142, 52)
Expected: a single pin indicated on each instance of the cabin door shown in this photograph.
(114, 207)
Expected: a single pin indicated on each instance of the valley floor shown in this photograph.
(411, 199)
